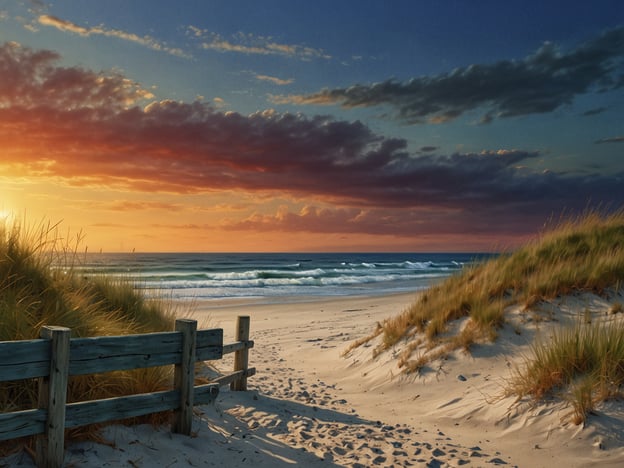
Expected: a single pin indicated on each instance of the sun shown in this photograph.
(5, 216)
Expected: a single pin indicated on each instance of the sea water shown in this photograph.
(205, 276)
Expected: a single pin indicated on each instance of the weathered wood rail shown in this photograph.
(55, 357)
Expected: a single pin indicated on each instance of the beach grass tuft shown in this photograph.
(39, 285)
(584, 363)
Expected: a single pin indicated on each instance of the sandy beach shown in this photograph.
(310, 406)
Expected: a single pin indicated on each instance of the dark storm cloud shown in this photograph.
(596, 111)
(617, 139)
(539, 83)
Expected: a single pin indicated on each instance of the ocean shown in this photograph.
(275, 276)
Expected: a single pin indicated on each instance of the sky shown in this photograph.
(247, 126)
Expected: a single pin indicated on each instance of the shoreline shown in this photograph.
(415, 287)
(203, 305)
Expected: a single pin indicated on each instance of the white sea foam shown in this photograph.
(205, 276)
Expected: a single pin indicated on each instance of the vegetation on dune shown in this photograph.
(39, 285)
(586, 362)
(585, 253)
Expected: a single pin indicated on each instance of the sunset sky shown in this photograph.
(309, 125)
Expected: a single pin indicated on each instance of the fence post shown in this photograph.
(50, 447)
(241, 357)
(184, 376)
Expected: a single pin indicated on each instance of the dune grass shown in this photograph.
(583, 253)
(39, 285)
(585, 364)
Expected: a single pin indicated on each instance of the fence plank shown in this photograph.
(31, 358)
(206, 394)
(22, 423)
(209, 344)
(241, 357)
(231, 377)
(184, 376)
(24, 359)
(53, 397)
(118, 408)
(131, 406)
(107, 353)
(239, 345)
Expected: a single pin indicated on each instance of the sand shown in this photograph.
(310, 406)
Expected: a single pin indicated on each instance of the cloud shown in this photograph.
(596, 111)
(125, 205)
(82, 128)
(308, 219)
(254, 45)
(539, 83)
(146, 41)
(394, 223)
(617, 139)
(30, 80)
(274, 80)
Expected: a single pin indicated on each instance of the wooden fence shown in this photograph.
(55, 357)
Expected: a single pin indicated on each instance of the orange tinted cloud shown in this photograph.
(274, 80)
(93, 129)
(397, 222)
(147, 41)
(254, 45)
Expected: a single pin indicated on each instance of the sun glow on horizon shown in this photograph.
(6, 218)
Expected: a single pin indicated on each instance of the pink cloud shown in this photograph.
(394, 222)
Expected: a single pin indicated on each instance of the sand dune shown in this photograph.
(309, 406)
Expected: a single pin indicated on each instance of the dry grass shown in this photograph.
(585, 364)
(584, 253)
(38, 287)
(362, 341)
(616, 308)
